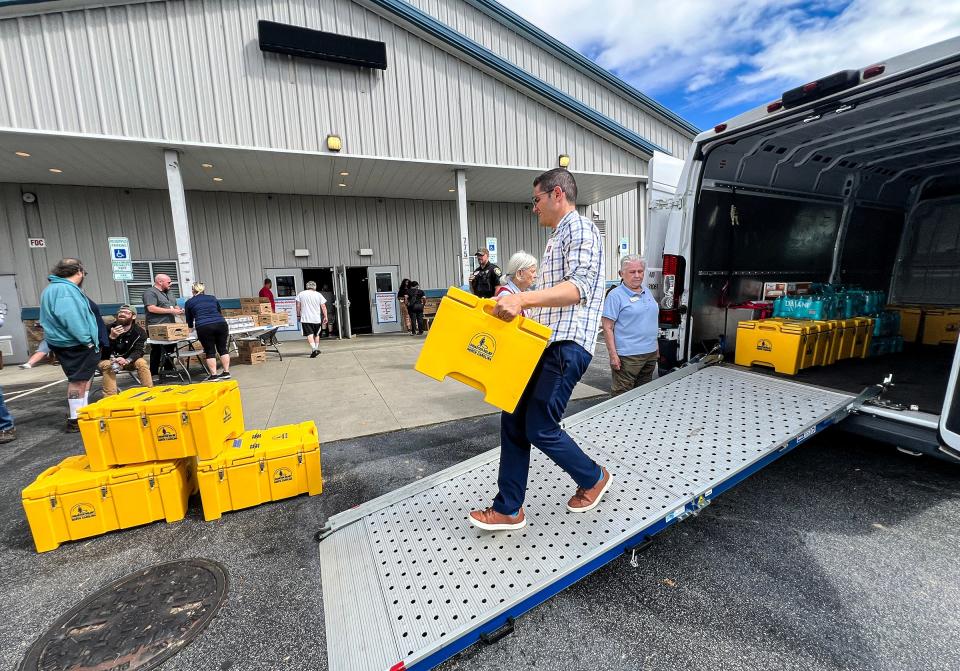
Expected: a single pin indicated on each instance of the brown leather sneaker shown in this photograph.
(491, 520)
(587, 499)
(8, 435)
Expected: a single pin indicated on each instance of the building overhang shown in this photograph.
(86, 160)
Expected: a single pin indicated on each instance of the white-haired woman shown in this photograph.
(203, 312)
(521, 274)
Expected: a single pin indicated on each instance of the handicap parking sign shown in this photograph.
(120, 253)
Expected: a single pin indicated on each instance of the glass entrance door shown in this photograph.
(383, 284)
(287, 283)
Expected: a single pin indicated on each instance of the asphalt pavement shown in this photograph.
(841, 555)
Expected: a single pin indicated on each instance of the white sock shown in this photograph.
(75, 404)
(314, 346)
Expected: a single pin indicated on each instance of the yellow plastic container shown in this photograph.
(786, 346)
(160, 423)
(70, 501)
(828, 342)
(940, 327)
(910, 318)
(259, 466)
(862, 338)
(466, 342)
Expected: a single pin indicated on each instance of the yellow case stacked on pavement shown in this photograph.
(160, 423)
(259, 466)
(70, 501)
(466, 342)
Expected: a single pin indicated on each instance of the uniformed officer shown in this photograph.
(485, 279)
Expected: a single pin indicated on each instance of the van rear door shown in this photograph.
(950, 415)
(662, 199)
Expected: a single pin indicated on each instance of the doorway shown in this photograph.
(325, 285)
(358, 295)
(14, 343)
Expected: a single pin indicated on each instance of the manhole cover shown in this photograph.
(134, 623)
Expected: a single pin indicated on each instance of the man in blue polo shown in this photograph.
(630, 326)
(569, 300)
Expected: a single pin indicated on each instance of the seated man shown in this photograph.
(127, 341)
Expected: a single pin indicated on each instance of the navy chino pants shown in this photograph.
(536, 420)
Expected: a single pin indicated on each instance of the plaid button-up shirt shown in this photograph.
(574, 252)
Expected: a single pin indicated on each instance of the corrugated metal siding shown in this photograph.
(543, 64)
(621, 216)
(192, 72)
(235, 236)
(76, 221)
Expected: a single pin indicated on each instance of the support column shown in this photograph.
(642, 212)
(464, 231)
(178, 211)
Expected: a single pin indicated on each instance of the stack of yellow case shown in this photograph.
(144, 448)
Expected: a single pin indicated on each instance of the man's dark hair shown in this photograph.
(551, 179)
(67, 267)
(268, 281)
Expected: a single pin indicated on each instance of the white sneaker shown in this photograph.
(24, 366)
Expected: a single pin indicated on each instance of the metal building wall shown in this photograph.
(76, 221)
(236, 235)
(542, 63)
(191, 71)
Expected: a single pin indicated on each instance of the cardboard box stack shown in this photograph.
(148, 449)
(251, 352)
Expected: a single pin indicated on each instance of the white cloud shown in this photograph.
(724, 53)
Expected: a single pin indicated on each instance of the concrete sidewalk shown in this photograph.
(356, 387)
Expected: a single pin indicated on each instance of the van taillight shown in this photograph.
(674, 268)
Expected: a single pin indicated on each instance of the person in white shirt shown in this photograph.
(312, 314)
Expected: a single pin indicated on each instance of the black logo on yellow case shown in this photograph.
(82, 511)
(764, 345)
(227, 415)
(282, 475)
(483, 345)
(165, 433)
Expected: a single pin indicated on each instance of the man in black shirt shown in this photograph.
(485, 279)
(127, 341)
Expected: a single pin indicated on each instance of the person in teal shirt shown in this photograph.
(71, 330)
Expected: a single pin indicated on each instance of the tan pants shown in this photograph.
(634, 370)
(404, 317)
(141, 365)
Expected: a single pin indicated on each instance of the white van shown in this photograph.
(852, 179)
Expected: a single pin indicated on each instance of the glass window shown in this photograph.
(286, 286)
(384, 282)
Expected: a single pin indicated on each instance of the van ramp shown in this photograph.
(408, 582)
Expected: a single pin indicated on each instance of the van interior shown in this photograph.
(864, 192)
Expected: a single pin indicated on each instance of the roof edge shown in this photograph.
(480, 53)
(511, 19)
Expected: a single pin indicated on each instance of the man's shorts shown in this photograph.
(78, 362)
(310, 329)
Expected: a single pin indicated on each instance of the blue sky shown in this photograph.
(709, 60)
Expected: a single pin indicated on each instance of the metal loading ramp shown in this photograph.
(408, 582)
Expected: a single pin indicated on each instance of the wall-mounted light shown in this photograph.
(334, 143)
(300, 253)
(206, 166)
(344, 173)
(22, 154)
(56, 171)
(564, 161)
(218, 179)
(365, 251)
